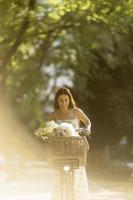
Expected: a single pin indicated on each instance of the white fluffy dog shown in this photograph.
(66, 129)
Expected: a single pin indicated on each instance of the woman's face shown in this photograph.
(63, 101)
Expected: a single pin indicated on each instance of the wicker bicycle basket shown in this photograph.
(67, 150)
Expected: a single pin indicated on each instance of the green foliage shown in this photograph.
(93, 39)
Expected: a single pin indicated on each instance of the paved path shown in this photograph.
(30, 184)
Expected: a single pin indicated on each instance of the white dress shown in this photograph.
(81, 190)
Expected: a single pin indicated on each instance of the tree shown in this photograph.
(91, 40)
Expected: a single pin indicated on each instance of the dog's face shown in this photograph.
(60, 132)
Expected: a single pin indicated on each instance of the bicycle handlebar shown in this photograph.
(84, 132)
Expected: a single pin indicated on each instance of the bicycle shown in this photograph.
(67, 154)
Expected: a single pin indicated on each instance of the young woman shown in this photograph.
(66, 111)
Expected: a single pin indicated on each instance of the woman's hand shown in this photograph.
(88, 132)
(84, 132)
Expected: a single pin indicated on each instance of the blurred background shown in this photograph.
(82, 44)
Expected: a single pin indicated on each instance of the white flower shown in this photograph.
(46, 129)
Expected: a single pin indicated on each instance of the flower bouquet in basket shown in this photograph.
(46, 129)
(50, 128)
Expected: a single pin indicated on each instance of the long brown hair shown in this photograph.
(64, 91)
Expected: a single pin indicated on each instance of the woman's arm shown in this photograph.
(82, 117)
